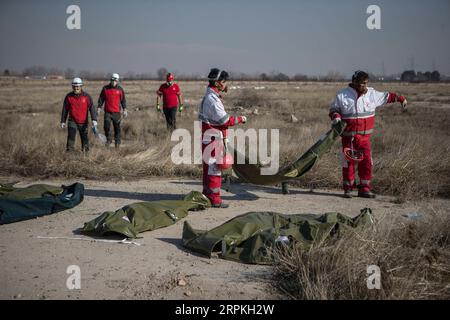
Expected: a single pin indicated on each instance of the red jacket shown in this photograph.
(77, 107)
(170, 95)
(113, 97)
(358, 110)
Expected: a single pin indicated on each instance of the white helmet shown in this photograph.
(115, 76)
(77, 82)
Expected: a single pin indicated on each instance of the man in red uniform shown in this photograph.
(215, 122)
(356, 106)
(76, 106)
(114, 98)
(171, 94)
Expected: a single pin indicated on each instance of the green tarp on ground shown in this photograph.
(145, 216)
(251, 173)
(251, 237)
(17, 204)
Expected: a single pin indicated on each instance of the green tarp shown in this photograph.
(145, 216)
(251, 237)
(251, 173)
(37, 200)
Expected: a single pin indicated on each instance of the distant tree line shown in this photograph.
(160, 74)
(412, 76)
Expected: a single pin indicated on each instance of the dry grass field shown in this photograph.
(411, 150)
(411, 169)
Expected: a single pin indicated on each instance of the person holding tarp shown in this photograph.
(76, 106)
(215, 121)
(356, 106)
(172, 101)
(114, 98)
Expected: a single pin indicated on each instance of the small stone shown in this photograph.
(255, 112)
(18, 296)
(188, 293)
(181, 282)
(294, 118)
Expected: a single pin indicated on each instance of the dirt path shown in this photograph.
(35, 268)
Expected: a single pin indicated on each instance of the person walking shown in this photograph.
(77, 104)
(172, 100)
(113, 96)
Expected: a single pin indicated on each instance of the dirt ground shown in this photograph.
(34, 268)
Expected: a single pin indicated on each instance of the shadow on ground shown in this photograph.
(132, 195)
(243, 191)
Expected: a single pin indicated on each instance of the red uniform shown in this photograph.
(215, 122)
(170, 95)
(358, 111)
(114, 98)
(77, 107)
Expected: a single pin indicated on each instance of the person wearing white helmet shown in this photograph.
(77, 104)
(113, 96)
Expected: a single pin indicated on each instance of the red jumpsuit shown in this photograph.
(215, 122)
(358, 111)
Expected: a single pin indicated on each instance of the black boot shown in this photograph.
(366, 194)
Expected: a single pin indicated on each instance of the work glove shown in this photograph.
(94, 126)
(402, 101)
(125, 113)
(404, 107)
(336, 121)
(63, 125)
(158, 107)
(243, 119)
(180, 108)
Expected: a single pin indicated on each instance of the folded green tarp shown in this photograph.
(251, 237)
(145, 216)
(37, 200)
(251, 173)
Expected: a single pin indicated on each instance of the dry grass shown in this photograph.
(411, 151)
(413, 257)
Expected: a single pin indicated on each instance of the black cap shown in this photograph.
(217, 75)
(359, 76)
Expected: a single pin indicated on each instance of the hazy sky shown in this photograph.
(310, 37)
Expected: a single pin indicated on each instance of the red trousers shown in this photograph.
(212, 175)
(361, 143)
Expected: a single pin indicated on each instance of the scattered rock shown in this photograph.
(255, 112)
(18, 296)
(188, 293)
(294, 118)
(181, 282)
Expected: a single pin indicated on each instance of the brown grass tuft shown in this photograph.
(414, 259)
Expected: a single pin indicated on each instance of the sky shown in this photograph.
(307, 37)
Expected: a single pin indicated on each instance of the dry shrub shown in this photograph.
(413, 257)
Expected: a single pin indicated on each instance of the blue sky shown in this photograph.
(309, 37)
